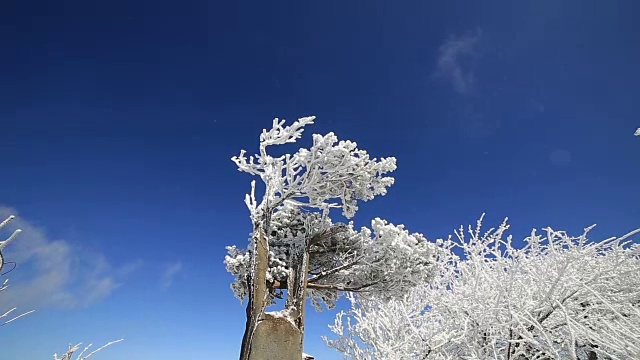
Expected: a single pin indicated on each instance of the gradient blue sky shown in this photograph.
(118, 120)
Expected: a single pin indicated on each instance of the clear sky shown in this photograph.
(118, 120)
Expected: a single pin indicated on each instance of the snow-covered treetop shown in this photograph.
(330, 169)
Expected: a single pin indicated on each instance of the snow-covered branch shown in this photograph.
(81, 356)
(11, 237)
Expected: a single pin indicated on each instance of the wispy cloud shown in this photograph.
(54, 273)
(454, 61)
(169, 273)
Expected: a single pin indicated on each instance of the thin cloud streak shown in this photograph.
(170, 272)
(451, 65)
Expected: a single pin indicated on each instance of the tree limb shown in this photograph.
(334, 270)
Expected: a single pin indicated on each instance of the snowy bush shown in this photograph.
(558, 297)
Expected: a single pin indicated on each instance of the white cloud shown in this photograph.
(169, 273)
(53, 273)
(637, 133)
(453, 61)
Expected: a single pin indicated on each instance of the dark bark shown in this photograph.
(282, 285)
(246, 337)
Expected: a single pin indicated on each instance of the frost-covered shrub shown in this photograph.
(558, 297)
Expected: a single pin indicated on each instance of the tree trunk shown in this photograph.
(275, 336)
(257, 293)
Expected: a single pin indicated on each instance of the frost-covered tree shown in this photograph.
(306, 252)
(558, 297)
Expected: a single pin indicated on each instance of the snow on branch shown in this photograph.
(73, 348)
(11, 237)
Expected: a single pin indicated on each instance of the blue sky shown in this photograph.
(118, 121)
